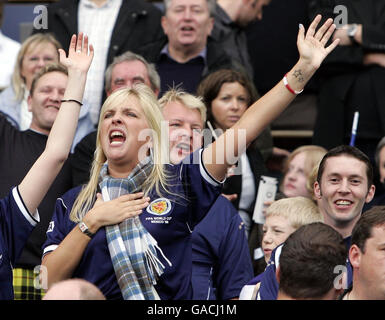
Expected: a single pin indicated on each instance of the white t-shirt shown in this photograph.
(97, 23)
(8, 54)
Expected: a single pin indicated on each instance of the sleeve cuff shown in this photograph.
(205, 174)
(49, 249)
(34, 218)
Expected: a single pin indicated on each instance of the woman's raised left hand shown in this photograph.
(80, 54)
(312, 44)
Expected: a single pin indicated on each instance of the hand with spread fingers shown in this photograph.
(311, 45)
(80, 54)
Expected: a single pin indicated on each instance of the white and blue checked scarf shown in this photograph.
(132, 248)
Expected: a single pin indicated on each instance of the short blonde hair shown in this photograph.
(297, 210)
(186, 99)
(31, 42)
(52, 67)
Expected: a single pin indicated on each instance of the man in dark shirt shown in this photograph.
(19, 151)
(187, 53)
(231, 17)
(344, 184)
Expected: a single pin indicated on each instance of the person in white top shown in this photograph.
(35, 52)
(8, 52)
(113, 26)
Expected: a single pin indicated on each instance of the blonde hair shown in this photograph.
(311, 179)
(313, 155)
(186, 99)
(18, 81)
(158, 178)
(297, 210)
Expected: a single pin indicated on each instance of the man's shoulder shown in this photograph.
(222, 24)
(134, 5)
(60, 5)
(225, 210)
(217, 57)
(9, 44)
(151, 51)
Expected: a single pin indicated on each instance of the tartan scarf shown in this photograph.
(131, 246)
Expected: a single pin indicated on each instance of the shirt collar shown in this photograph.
(90, 4)
(38, 132)
(202, 54)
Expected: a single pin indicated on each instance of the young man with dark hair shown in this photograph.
(367, 257)
(307, 263)
(344, 184)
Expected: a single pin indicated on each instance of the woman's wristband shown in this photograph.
(286, 83)
(72, 100)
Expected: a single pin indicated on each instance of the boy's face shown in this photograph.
(276, 230)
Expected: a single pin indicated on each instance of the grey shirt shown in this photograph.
(233, 39)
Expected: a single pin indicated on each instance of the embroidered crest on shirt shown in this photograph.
(159, 207)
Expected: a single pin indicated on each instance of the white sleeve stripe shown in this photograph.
(62, 202)
(205, 174)
(277, 255)
(33, 219)
(49, 249)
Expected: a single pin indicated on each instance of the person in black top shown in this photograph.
(19, 150)
(18, 210)
(187, 53)
(352, 77)
(306, 269)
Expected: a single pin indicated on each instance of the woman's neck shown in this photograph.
(120, 171)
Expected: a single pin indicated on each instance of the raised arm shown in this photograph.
(41, 175)
(312, 51)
